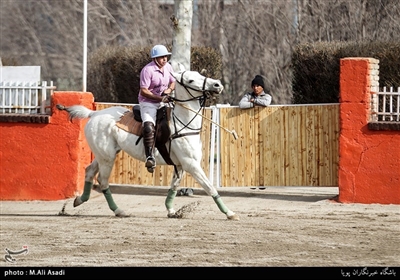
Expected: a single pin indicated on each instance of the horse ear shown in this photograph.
(181, 67)
(177, 66)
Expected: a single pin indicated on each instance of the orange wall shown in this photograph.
(45, 161)
(369, 160)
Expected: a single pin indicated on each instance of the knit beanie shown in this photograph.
(258, 80)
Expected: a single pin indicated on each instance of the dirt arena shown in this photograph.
(278, 226)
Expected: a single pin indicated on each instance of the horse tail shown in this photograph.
(76, 111)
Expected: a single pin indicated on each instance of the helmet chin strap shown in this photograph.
(155, 60)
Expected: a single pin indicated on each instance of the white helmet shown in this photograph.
(159, 50)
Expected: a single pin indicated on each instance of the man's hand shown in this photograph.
(166, 98)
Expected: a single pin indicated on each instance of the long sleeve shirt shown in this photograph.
(263, 99)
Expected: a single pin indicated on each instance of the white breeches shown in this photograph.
(148, 111)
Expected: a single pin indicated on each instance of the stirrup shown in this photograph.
(150, 164)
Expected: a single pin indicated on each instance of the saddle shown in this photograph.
(131, 122)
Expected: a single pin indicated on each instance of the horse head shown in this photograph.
(195, 85)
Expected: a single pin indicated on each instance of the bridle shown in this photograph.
(202, 101)
(206, 93)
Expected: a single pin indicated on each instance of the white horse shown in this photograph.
(106, 140)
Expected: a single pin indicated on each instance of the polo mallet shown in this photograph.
(233, 132)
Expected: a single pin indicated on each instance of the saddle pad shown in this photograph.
(129, 124)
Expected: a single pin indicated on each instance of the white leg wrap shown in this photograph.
(171, 212)
(119, 213)
(230, 213)
(232, 216)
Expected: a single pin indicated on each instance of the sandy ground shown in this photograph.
(278, 226)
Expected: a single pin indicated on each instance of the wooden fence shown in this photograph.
(280, 145)
(292, 145)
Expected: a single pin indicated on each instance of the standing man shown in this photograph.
(156, 84)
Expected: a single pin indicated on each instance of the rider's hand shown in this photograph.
(166, 98)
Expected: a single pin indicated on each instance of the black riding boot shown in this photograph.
(148, 141)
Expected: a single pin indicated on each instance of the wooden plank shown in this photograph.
(279, 158)
(325, 149)
(256, 148)
(259, 178)
(268, 146)
(319, 144)
(310, 149)
(286, 146)
(235, 154)
(292, 151)
(245, 161)
(302, 146)
(335, 144)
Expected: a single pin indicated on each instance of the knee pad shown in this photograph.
(148, 128)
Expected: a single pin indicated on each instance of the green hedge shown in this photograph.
(316, 68)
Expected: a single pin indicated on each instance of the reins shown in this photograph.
(202, 99)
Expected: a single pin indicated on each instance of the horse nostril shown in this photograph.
(217, 85)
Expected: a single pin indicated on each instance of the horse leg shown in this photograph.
(169, 201)
(104, 175)
(90, 172)
(198, 174)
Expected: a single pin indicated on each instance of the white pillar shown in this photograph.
(84, 45)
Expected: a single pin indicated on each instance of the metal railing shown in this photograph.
(385, 106)
(25, 97)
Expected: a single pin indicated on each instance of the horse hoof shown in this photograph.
(171, 213)
(78, 201)
(120, 213)
(233, 217)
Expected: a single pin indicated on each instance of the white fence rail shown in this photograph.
(25, 97)
(385, 106)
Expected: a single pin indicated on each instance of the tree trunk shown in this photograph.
(181, 42)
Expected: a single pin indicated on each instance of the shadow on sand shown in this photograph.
(275, 193)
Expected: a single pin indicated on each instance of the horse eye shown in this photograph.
(191, 81)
